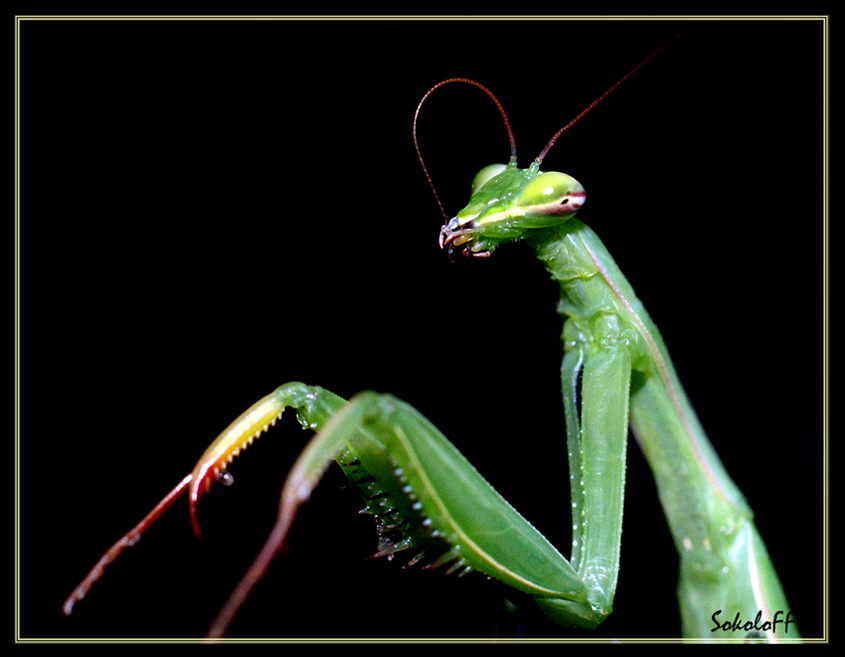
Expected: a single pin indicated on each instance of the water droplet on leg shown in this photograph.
(225, 478)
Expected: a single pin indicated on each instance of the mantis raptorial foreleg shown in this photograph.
(430, 503)
(596, 446)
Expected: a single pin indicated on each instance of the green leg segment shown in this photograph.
(596, 441)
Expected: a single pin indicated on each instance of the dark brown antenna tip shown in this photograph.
(417, 146)
(602, 97)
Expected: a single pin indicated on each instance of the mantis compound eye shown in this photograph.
(552, 194)
(485, 175)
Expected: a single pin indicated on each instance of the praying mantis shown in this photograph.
(460, 375)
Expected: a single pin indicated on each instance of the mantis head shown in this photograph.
(507, 202)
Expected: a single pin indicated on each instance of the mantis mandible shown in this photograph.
(615, 361)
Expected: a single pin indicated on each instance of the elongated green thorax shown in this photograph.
(616, 369)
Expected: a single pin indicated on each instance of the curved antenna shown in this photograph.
(552, 141)
(417, 146)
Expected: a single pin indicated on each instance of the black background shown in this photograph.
(212, 208)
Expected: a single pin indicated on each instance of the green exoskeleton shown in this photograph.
(433, 508)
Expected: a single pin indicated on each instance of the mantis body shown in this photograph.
(433, 507)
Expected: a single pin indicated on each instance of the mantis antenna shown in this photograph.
(545, 151)
(552, 141)
(417, 146)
